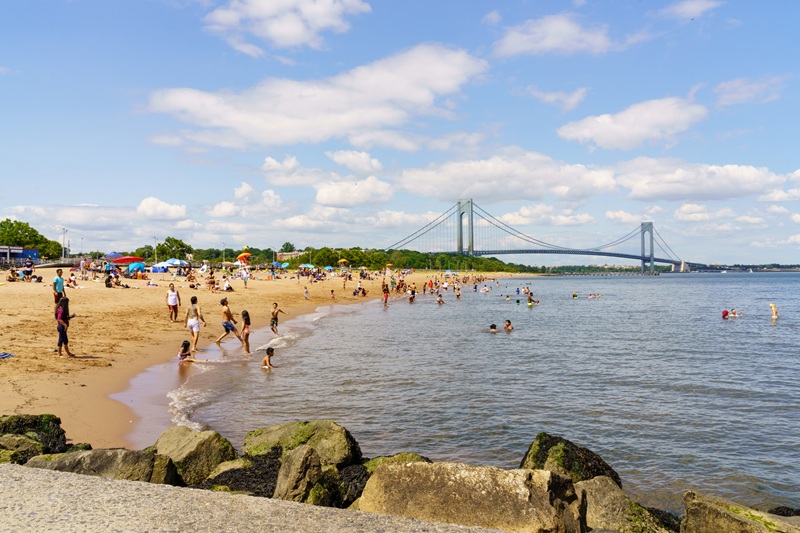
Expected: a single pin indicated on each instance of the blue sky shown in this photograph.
(354, 122)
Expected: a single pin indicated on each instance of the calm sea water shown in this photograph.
(649, 376)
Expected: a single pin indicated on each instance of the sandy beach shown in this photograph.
(117, 334)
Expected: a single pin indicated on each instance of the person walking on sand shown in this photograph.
(193, 317)
(173, 302)
(246, 331)
(62, 324)
(273, 318)
(58, 287)
(267, 361)
(228, 322)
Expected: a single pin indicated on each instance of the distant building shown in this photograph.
(18, 254)
(285, 256)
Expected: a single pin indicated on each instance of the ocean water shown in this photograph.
(648, 376)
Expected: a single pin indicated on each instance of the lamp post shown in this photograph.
(223, 254)
(155, 248)
(63, 241)
(81, 246)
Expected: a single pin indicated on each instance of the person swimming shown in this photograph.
(493, 328)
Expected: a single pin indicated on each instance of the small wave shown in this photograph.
(183, 403)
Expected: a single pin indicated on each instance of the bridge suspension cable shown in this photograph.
(672, 255)
(425, 229)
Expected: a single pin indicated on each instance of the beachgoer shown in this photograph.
(62, 325)
(305, 292)
(173, 302)
(385, 290)
(245, 276)
(775, 314)
(185, 353)
(58, 286)
(439, 299)
(508, 326)
(574, 295)
(725, 314)
(273, 318)
(333, 296)
(193, 317)
(530, 299)
(28, 270)
(246, 332)
(493, 328)
(226, 284)
(267, 361)
(228, 322)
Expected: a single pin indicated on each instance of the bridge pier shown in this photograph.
(647, 227)
(465, 208)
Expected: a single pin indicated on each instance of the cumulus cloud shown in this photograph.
(553, 34)
(651, 121)
(224, 209)
(743, 90)
(152, 207)
(674, 179)
(562, 100)
(358, 162)
(624, 217)
(701, 213)
(243, 191)
(380, 96)
(747, 219)
(545, 215)
(492, 18)
(282, 24)
(779, 195)
(511, 173)
(353, 193)
(687, 10)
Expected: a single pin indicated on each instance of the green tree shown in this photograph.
(145, 252)
(287, 247)
(172, 247)
(18, 233)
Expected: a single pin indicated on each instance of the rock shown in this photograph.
(333, 443)
(354, 479)
(42, 428)
(195, 453)
(11, 456)
(709, 514)
(784, 511)
(608, 507)
(299, 476)
(404, 457)
(114, 464)
(548, 452)
(510, 500)
(256, 475)
(25, 446)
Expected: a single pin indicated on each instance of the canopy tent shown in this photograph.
(135, 267)
(126, 259)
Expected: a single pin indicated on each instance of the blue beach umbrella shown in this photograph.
(177, 262)
(329, 268)
(111, 256)
(284, 265)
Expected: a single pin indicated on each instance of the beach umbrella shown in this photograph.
(309, 265)
(342, 261)
(243, 255)
(177, 262)
(163, 264)
(284, 265)
(127, 259)
(389, 264)
(111, 256)
(276, 264)
(328, 268)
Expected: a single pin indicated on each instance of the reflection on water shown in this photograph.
(649, 376)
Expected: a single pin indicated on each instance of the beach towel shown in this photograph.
(6, 355)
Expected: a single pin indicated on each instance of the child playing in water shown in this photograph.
(185, 353)
(267, 361)
(246, 332)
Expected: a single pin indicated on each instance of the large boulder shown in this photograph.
(195, 453)
(403, 457)
(24, 445)
(256, 475)
(45, 429)
(299, 478)
(116, 463)
(510, 500)
(607, 507)
(332, 442)
(11, 456)
(556, 454)
(709, 514)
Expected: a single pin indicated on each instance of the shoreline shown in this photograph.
(120, 333)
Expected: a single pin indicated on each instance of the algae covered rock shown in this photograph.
(556, 454)
(608, 507)
(403, 457)
(11, 456)
(45, 429)
(22, 444)
(709, 514)
(256, 475)
(299, 477)
(332, 442)
(114, 464)
(195, 453)
(489, 497)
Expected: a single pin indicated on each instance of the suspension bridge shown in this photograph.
(467, 229)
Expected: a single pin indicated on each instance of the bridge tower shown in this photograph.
(647, 227)
(464, 208)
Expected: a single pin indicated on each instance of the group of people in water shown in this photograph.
(733, 313)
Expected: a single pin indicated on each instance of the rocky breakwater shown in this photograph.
(558, 487)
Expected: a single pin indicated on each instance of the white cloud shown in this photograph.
(511, 173)
(358, 162)
(492, 18)
(553, 34)
(545, 215)
(750, 219)
(654, 210)
(385, 94)
(4, 70)
(701, 213)
(777, 210)
(565, 101)
(271, 200)
(224, 209)
(386, 138)
(779, 195)
(243, 191)
(674, 179)
(281, 23)
(651, 121)
(154, 208)
(796, 218)
(743, 90)
(687, 10)
(354, 193)
(624, 217)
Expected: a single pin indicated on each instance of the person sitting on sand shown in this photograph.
(226, 284)
(12, 276)
(267, 361)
